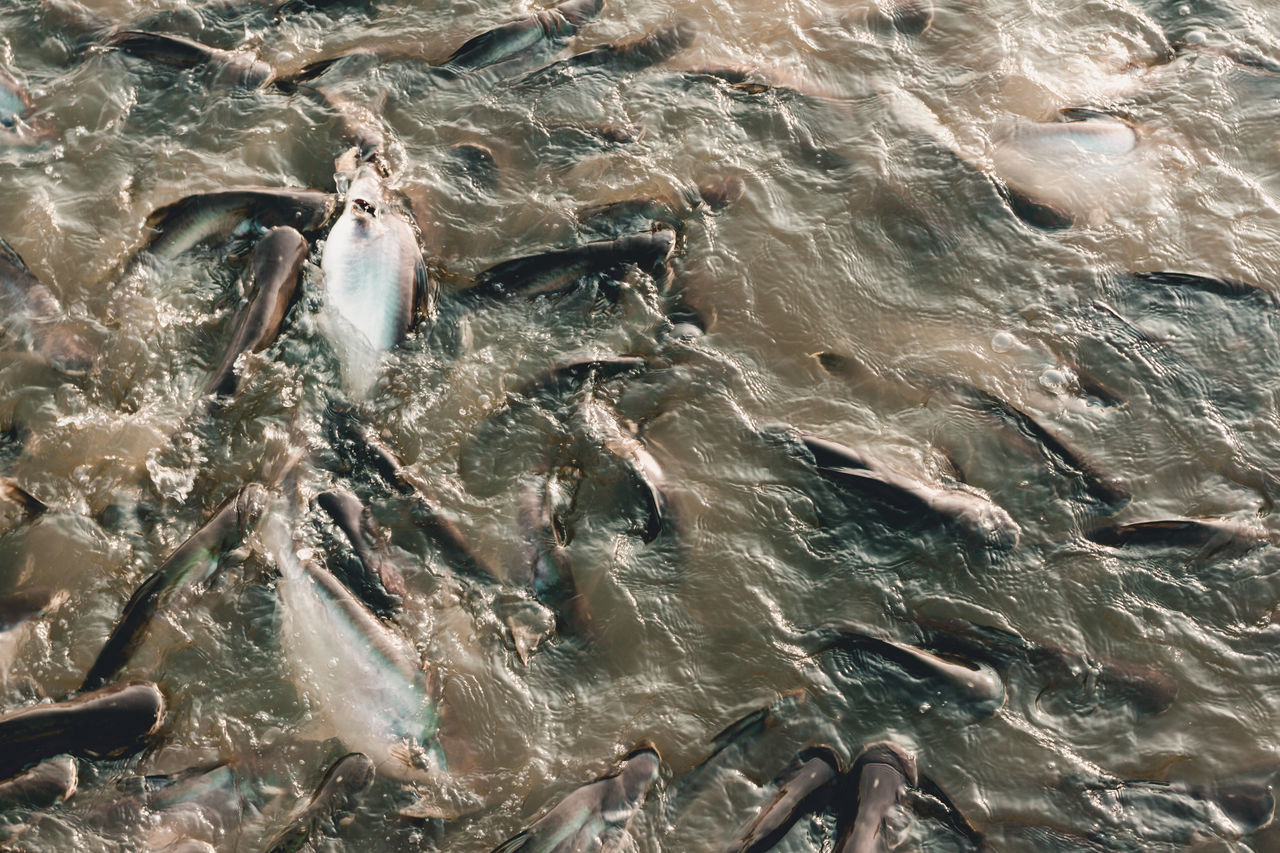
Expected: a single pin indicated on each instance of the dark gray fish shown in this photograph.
(557, 271)
(18, 607)
(473, 169)
(1243, 57)
(76, 23)
(1146, 689)
(593, 816)
(1217, 286)
(730, 744)
(1210, 536)
(338, 793)
(930, 801)
(622, 57)
(879, 779)
(570, 376)
(106, 723)
(970, 511)
(379, 583)
(193, 564)
(356, 439)
(803, 787)
(218, 216)
(544, 27)
(228, 69)
(208, 800)
(673, 211)
(602, 430)
(977, 682)
(1102, 486)
(44, 785)
(31, 313)
(272, 283)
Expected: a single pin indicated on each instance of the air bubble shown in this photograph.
(1003, 342)
(1196, 37)
(1184, 10)
(1053, 379)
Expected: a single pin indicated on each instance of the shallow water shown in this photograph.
(867, 229)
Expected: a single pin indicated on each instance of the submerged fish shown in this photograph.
(337, 793)
(232, 69)
(374, 276)
(1146, 689)
(106, 723)
(379, 582)
(594, 816)
(272, 282)
(628, 56)
(364, 677)
(970, 511)
(193, 563)
(974, 681)
(46, 784)
(31, 313)
(17, 127)
(602, 430)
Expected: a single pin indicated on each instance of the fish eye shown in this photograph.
(8, 121)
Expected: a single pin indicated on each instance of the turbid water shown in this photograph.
(868, 232)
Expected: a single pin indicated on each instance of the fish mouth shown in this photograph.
(364, 207)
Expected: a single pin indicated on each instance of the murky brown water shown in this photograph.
(867, 229)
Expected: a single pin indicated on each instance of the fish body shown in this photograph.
(880, 777)
(272, 283)
(226, 69)
(16, 125)
(363, 677)
(373, 273)
(337, 793)
(106, 723)
(594, 815)
(46, 784)
(804, 787)
(194, 562)
(218, 216)
(31, 313)
(542, 27)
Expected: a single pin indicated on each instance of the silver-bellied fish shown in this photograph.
(373, 277)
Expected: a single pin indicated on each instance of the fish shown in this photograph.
(31, 314)
(215, 217)
(669, 211)
(1210, 536)
(44, 785)
(621, 57)
(225, 69)
(976, 682)
(337, 794)
(17, 126)
(877, 783)
(18, 607)
(594, 816)
(374, 277)
(364, 676)
(1219, 286)
(357, 439)
(193, 564)
(1247, 806)
(107, 723)
(970, 511)
(272, 284)
(380, 584)
(544, 27)
(549, 570)
(805, 786)
(557, 271)
(1146, 689)
(601, 429)
(1103, 486)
